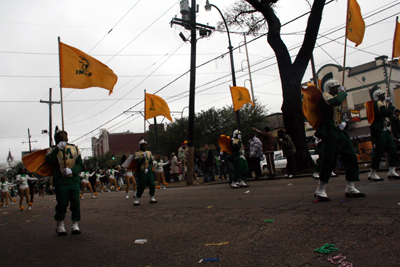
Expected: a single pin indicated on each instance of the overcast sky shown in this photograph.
(146, 53)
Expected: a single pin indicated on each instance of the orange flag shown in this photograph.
(370, 111)
(396, 41)
(355, 23)
(155, 106)
(240, 96)
(36, 162)
(79, 70)
(311, 98)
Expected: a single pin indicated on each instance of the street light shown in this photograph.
(207, 7)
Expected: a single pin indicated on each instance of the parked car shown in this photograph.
(280, 160)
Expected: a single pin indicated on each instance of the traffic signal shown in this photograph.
(112, 156)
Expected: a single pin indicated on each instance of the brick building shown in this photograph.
(116, 143)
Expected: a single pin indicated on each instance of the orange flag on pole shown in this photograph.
(355, 23)
(79, 70)
(240, 96)
(155, 106)
(396, 41)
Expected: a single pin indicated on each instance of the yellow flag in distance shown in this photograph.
(156, 106)
(80, 71)
(240, 96)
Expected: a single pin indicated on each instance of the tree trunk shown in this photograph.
(292, 74)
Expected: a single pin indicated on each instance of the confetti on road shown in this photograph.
(248, 191)
(217, 244)
(209, 207)
(8, 212)
(268, 220)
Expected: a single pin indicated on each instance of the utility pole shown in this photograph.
(29, 138)
(50, 116)
(189, 22)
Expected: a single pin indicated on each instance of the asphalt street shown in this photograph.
(270, 223)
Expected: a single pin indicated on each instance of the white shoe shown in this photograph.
(374, 176)
(81, 197)
(29, 208)
(75, 229)
(290, 176)
(127, 195)
(351, 191)
(234, 185)
(243, 184)
(116, 190)
(12, 203)
(320, 192)
(152, 200)
(109, 191)
(164, 188)
(136, 202)
(286, 175)
(392, 173)
(134, 194)
(93, 196)
(333, 174)
(60, 230)
(101, 191)
(315, 175)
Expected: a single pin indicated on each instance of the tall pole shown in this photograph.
(155, 132)
(208, 5)
(189, 180)
(314, 73)
(29, 138)
(50, 102)
(248, 67)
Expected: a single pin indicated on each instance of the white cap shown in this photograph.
(330, 83)
(377, 93)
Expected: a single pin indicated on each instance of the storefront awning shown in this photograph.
(358, 133)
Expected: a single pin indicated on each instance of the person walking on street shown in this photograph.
(268, 142)
(256, 152)
(174, 167)
(208, 165)
(395, 124)
(335, 140)
(144, 161)
(380, 133)
(240, 167)
(67, 162)
(289, 151)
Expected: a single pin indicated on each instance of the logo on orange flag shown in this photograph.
(156, 106)
(355, 23)
(240, 96)
(79, 70)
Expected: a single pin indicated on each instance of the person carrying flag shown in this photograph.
(67, 162)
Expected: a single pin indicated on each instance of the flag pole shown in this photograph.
(144, 117)
(61, 97)
(61, 92)
(391, 63)
(345, 42)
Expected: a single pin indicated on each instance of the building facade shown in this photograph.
(116, 143)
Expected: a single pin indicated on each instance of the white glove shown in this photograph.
(342, 126)
(146, 171)
(67, 171)
(61, 145)
(342, 89)
(239, 136)
(145, 155)
(388, 100)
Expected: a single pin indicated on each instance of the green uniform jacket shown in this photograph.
(395, 125)
(380, 113)
(236, 148)
(328, 128)
(140, 160)
(58, 178)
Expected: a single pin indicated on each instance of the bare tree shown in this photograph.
(291, 73)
